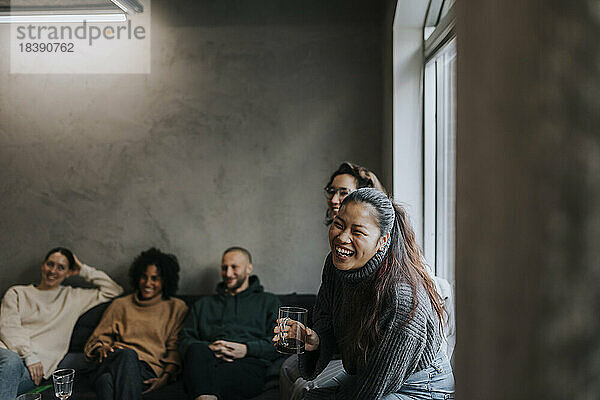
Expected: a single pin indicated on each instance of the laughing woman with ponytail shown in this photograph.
(378, 308)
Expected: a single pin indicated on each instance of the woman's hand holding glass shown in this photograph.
(295, 330)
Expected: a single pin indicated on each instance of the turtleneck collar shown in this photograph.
(354, 276)
(146, 303)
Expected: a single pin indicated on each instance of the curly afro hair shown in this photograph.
(167, 265)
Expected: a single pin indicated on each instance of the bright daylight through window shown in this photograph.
(439, 160)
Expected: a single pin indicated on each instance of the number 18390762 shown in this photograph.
(49, 47)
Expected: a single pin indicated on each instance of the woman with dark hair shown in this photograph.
(136, 341)
(344, 180)
(36, 321)
(378, 307)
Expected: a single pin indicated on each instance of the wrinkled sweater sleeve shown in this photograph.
(106, 289)
(105, 331)
(172, 354)
(263, 347)
(12, 333)
(312, 363)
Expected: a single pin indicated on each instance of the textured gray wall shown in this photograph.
(528, 200)
(228, 141)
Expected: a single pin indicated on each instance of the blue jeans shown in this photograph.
(435, 382)
(14, 375)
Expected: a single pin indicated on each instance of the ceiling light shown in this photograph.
(129, 6)
(66, 18)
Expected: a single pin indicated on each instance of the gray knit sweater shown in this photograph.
(404, 348)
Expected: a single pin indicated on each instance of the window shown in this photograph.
(424, 120)
(439, 144)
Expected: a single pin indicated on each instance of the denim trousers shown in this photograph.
(14, 375)
(15, 378)
(436, 382)
(292, 386)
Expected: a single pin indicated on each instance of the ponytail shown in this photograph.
(415, 270)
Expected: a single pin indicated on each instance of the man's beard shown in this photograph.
(236, 284)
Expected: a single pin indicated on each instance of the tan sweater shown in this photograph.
(150, 327)
(37, 324)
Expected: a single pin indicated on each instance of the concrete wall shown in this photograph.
(528, 200)
(229, 141)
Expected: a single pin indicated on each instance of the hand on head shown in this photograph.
(75, 268)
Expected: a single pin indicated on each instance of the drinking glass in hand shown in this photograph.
(63, 383)
(291, 341)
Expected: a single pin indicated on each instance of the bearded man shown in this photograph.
(226, 339)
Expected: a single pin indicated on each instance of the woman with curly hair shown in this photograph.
(135, 343)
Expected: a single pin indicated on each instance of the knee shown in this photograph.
(104, 386)
(289, 368)
(104, 380)
(198, 351)
(128, 356)
(10, 360)
(128, 353)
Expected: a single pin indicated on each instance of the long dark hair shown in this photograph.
(364, 178)
(403, 263)
(166, 264)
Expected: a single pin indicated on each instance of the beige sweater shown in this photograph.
(150, 327)
(37, 324)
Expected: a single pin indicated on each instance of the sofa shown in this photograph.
(85, 325)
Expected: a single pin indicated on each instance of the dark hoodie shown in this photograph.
(248, 317)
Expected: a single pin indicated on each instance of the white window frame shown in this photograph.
(439, 148)
(414, 152)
